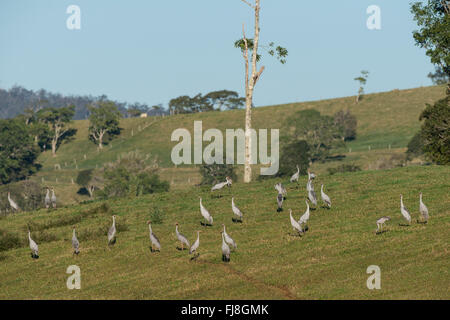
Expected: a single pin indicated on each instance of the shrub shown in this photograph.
(156, 216)
(347, 122)
(292, 154)
(215, 173)
(9, 240)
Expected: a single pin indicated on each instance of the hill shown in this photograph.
(328, 262)
(386, 122)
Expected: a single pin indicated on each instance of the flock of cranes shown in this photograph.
(228, 244)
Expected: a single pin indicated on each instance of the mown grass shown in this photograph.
(329, 262)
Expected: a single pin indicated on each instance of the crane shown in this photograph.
(194, 247)
(112, 232)
(47, 200)
(280, 202)
(153, 238)
(53, 198)
(295, 175)
(295, 225)
(205, 213)
(404, 210)
(228, 239)
(423, 209)
(33, 246)
(225, 250)
(12, 203)
(325, 197)
(236, 211)
(381, 222)
(305, 217)
(312, 194)
(181, 238)
(75, 242)
(220, 185)
(281, 189)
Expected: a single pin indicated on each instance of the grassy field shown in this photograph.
(387, 119)
(328, 262)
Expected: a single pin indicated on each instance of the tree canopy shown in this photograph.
(104, 122)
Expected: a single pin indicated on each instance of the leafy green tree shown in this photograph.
(225, 98)
(317, 130)
(292, 154)
(439, 77)
(362, 79)
(186, 104)
(348, 123)
(57, 120)
(104, 122)
(18, 152)
(415, 147)
(136, 109)
(89, 180)
(435, 131)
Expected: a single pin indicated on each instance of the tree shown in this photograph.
(89, 180)
(348, 122)
(104, 119)
(225, 98)
(136, 109)
(362, 79)
(415, 147)
(439, 76)
(186, 104)
(433, 20)
(318, 131)
(435, 131)
(57, 120)
(215, 173)
(293, 153)
(18, 153)
(247, 45)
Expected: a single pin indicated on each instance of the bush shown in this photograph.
(9, 240)
(28, 195)
(292, 154)
(347, 122)
(215, 173)
(344, 168)
(156, 216)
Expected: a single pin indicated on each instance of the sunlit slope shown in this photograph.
(329, 262)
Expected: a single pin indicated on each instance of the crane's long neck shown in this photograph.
(73, 233)
(114, 222)
(176, 230)
(420, 197)
(401, 201)
(150, 227)
(29, 235)
(224, 229)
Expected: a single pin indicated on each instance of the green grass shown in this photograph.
(329, 262)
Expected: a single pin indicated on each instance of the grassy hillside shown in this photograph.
(388, 118)
(329, 262)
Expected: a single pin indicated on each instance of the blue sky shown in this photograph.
(151, 51)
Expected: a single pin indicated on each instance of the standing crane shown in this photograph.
(325, 197)
(236, 211)
(33, 246)
(53, 198)
(112, 232)
(305, 217)
(311, 175)
(205, 213)
(181, 238)
(312, 194)
(225, 250)
(12, 203)
(220, 185)
(295, 176)
(47, 200)
(153, 238)
(295, 225)
(281, 189)
(280, 202)
(75, 242)
(228, 239)
(423, 210)
(404, 210)
(380, 223)
(194, 247)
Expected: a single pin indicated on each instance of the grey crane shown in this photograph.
(280, 202)
(205, 213)
(112, 232)
(295, 176)
(228, 239)
(12, 203)
(53, 198)
(423, 209)
(404, 210)
(33, 246)
(220, 185)
(295, 225)
(381, 222)
(325, 198)
(236, 210)
(181, 238)
(225, 250)
(75, 242)
(281, 189)
(311, 175)
(47, 200)
(312, 194)
(194, 247)
(153, 238)
(305, 217)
